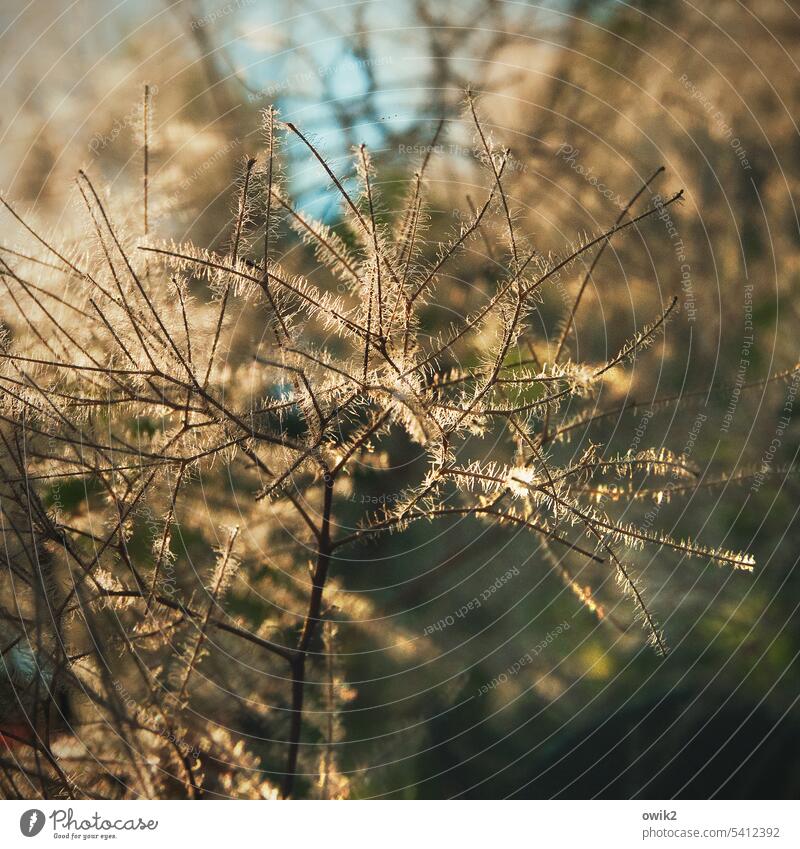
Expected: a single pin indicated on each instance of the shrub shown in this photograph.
(162, 402)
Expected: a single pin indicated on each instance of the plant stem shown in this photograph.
(312, 619)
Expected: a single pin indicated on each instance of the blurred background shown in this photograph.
(591, 97)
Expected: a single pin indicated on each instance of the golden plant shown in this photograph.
(209, 400)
